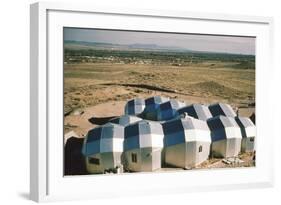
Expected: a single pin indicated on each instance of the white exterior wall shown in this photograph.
(118, 144)
(151, 140)
(250, 131)
(233, 132)
(197, 135)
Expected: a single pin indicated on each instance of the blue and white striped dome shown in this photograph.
(168, 110)
(143, 134)
(103, 139)
(134, 106)
(197, 111)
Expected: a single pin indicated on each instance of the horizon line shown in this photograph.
(172, 48)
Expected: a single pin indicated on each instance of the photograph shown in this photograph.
(148, 101)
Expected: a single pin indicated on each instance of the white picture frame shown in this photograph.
(47, 182)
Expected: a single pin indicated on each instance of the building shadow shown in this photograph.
(100, 120)
(253, 118)
(74, 161)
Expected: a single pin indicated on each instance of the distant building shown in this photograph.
(226, 136)
(143, 146)
(187, 142)
(103, 147)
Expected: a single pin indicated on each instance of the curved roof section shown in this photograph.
(168, 110)
(223, 127)
(134, 106)
(143, 134)
(184, 130)
(106, 138)
(244, 122)
(125, 120)
(248, 128)
(154, 102)
(221, 109)
(197, 111)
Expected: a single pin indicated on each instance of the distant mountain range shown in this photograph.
(80, 45)
(97, 45)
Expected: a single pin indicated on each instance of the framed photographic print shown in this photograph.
(147, 101)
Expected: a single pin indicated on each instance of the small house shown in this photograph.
(226, 136)
(103, 147)
(186, 141)
(143, 145)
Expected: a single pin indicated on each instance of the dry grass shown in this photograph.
(92, 84)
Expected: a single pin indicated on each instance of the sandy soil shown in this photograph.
(81, 123)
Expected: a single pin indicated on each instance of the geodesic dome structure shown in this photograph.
(168, 110)
(134, 106)
(187, 142)
(248, 131)
(160, 131)
(143, 146)
(151, 106)
(103, 147)
(226, 136)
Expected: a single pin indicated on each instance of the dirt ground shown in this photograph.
(247, 159)
(82, 123)
(96, 92)
(214, 163)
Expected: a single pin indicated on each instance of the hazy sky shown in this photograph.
(229, 44)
